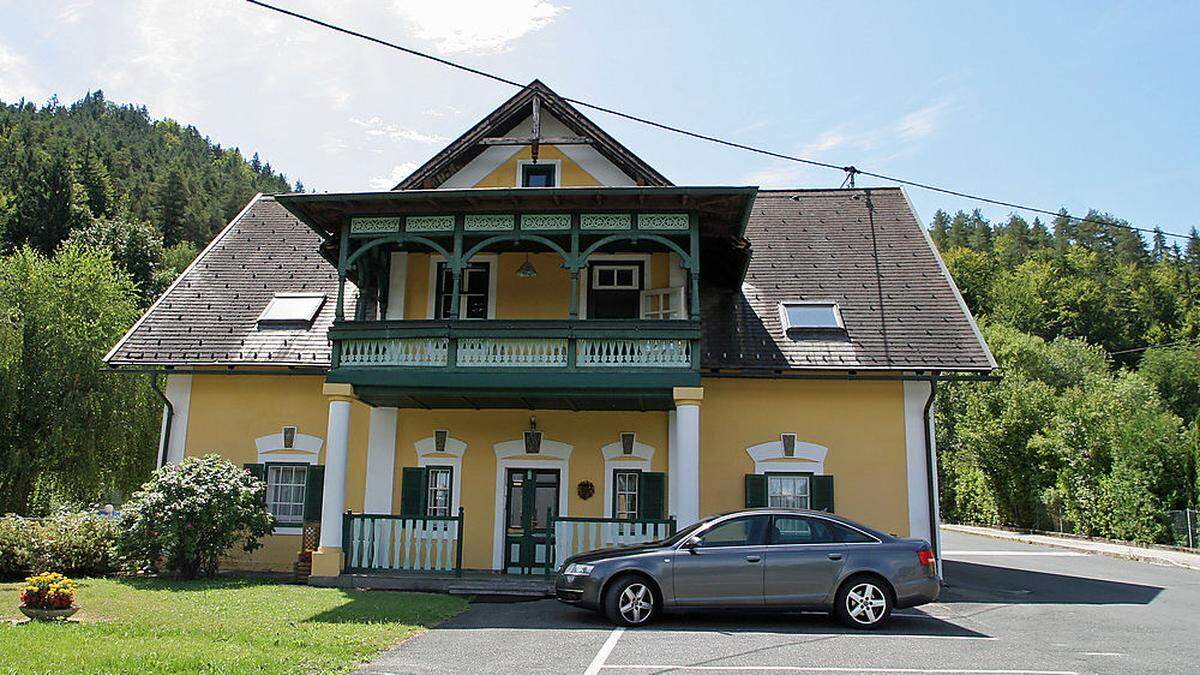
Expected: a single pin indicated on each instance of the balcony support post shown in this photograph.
(574, 264)
(339, 311)
(327, 559)
(456, 263)
(686, 466)
(694, 265)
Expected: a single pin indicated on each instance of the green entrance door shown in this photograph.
(532, 495)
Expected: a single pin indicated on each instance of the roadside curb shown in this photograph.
(1157, 556)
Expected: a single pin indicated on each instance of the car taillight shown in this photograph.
(925, 557)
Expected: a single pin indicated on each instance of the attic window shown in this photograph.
(291, 309)
(799, 318)
(538, 175)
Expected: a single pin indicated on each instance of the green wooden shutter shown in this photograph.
(259, 471)
(314, 491)
(652, 492)
(822, 493)
(756, 490)
(413, 484)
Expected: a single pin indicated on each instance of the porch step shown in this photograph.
(535, 588)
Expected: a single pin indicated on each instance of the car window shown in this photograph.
(849, 535)
(801, 530)
(747, 531)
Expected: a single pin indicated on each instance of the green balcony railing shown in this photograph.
(532, 344)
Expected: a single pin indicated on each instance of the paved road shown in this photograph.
(1008, 607)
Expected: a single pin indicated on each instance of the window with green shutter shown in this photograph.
(413, 486)
(789, 490)
(652, 496)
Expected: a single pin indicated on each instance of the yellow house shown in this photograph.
(537, 344)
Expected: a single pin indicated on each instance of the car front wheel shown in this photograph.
(864, 602)
(630, 602)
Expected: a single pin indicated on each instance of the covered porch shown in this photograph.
(508, 492)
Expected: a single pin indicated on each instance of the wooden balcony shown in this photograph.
(572, 364)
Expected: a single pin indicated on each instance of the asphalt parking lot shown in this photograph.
(1008, 608)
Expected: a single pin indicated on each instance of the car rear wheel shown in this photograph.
(864, 602)
(630, 602)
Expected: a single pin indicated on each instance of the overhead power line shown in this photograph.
(850, 170)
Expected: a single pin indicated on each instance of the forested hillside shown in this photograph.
(152, 191)
(1092, 426)
(100, 208)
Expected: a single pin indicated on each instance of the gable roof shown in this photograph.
(864, 249)
(502, 120)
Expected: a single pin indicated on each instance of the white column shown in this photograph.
(687, 451)
(327, 560)
(672, 465)
(915, 396)
(381, 461)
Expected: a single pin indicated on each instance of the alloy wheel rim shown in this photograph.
(636, 603)
(866, 603)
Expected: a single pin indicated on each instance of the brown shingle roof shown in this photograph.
(807, 245)
(210, 315)
(863, 249)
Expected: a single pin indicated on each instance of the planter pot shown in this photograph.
(48, 614)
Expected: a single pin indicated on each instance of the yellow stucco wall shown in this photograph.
(862, 424)
(571, 174)
(546, 296)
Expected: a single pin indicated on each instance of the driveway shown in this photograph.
(1008, 607)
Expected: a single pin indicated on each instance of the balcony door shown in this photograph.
(476, 292)
(614, 289)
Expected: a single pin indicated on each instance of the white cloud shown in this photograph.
(398, 173)
(375, 126)
(477, 26)
(16, 77)
(74, 11)
(891, 140)
(920, 123)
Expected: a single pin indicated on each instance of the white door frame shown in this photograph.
(512, 455)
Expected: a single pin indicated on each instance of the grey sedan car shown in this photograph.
(781, 559)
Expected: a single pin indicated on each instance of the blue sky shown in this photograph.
(1079, 104)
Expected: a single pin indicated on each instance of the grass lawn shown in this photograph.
(227, 625)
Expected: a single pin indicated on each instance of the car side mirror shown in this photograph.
(692, 544)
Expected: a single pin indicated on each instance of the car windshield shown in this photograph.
(686, 532)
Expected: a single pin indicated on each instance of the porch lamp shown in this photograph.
(526, 270)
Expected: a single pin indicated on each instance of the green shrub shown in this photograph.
(189, 515)
(79, 544)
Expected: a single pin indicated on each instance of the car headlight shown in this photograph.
(578, 570)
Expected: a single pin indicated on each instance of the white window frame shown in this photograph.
(431, 490)
(636, 492)
(786, 323)
(805, 498)
(676, 299)
(272, 488)
(615, 267)
(522, 163)
(264, 317)
(432, 296)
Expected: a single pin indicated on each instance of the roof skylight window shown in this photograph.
(288, 309)
(800, 317)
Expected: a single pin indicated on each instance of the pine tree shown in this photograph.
(1158, 249)
(939, 231)
(171, 207)
(97, 185)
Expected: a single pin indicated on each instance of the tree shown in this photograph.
(939, 230)
(97, 186)
(68, 431)
(1175, 373)
(192, 514)
(171, 201)
(136, 246)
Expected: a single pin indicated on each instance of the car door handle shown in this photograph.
(753, 558)
(835, 556)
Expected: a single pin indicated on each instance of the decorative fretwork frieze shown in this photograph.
(605, 221)
(545, 221)
(379, 225)
(663, 221)
(429, 224)
(489, 222)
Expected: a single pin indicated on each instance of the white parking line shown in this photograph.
(1048, 554)
(817, 669)
(602, 655)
